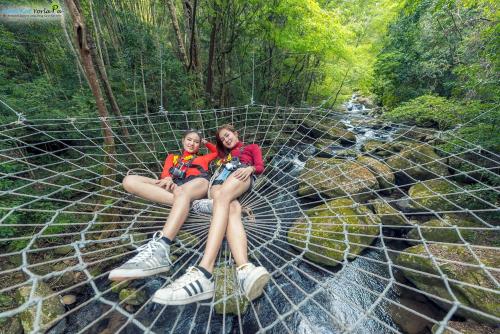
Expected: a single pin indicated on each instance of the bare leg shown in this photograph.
(235, 234)
(146, 188)
(183, 195)
(229, 191)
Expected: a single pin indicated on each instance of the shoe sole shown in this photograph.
(125, 274)
(257, 282)
(201, 296)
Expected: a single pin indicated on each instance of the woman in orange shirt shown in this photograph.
(184, 178)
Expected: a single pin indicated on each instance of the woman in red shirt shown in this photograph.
(239, 165)
(184, 178)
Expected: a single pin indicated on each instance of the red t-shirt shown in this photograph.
(202, 160)
(250, 155)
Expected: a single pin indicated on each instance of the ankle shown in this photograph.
(208, 274)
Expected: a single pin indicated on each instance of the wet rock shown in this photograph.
(346, 154)
(466, 327)
(419, 162)
(387, 214)
(381, 170)
(336, 178)
(51, 307)
(375, 147)
(132, 296)
(437, 195)
(328, 233)
(448, 228)
(11, 326)
(410, 322)
(419, 134)
(452, 261)
(227, 287)
(327, 130)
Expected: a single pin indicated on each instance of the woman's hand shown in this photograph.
(243, 174)
(204, 141)
(166, 183)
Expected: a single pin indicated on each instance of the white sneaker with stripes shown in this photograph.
(153, 258)
(191, 287)
(252, 280)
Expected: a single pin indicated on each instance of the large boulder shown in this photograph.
(388, 214)
(51, 309)
(417, 162)
(382, 172)
(466, 327)
(437, 195)
(227, 287)
(336, 178)
(454, 262)
(325, 129)
(327, 227)
(452, 228)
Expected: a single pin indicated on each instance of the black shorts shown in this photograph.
(182, 181)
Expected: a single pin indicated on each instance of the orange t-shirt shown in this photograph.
(202, 161)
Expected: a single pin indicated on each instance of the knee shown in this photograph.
(220, 197)
(235, 207)
(179, 192)
(129, 182)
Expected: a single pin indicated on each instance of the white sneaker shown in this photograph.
(252, 280)
(191, 287)
(203, 206)
(153, 258)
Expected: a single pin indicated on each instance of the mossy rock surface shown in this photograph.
(448, 228)
(327, 130)
(381, 170)
(52, 307)
(437, 195)
(451, 260)
(327, 241)
(417, 161)
(336, 178)
(387, 214)
(11, 325)
(132, 296)
(466, 327)
(227, 287)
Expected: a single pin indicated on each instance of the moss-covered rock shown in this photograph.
(417, 161)
(466, 327)
(11, 326)
(336, 178)
(437, 195)
(227, 287)
(375, 147)
(327, 130)
(452, 262)
(382, 172)
(387, 214)
(329, 226)
(447, 230)
(51, 307)
(133, 296)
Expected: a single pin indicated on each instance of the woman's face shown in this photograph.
(191, 142)
(228, 138)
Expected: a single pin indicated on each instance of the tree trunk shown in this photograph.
(178, 35)
(190, 18)
(108, 178)
(101, 70)
(211, 59)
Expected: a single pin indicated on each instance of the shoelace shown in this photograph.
(191, 275)
(146, 251)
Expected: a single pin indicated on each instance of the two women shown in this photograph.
(239, 165)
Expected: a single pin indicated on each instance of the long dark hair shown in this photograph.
(221, 149)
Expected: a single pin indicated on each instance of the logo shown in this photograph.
(31, 12)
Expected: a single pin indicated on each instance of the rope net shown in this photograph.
(363, 225)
